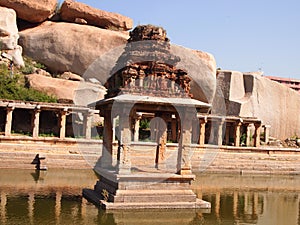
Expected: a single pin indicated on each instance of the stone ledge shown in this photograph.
(97, 199)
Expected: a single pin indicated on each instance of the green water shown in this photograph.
(54, 197)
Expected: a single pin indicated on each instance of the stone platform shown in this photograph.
(144, 190)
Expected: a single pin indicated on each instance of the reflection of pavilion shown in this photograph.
(147, 86)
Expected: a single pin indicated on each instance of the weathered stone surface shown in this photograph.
(9, 36)
(71, 76)
(65, 89)
(16, 55)
(34, 11)
(69, 47)
(71, 10)
(8, 29)
(201, 67)
(252, 95)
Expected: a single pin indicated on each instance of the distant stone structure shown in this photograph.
(289, 82)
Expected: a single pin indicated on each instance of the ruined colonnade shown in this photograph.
(35, 110)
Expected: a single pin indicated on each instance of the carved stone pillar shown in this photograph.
(220, 131)
(184, 152)
(248, 135)
(9, 117)
(257, 134)
(202, 122)
(266, 133)
(237, 133)
(87, 125)
(36, 122)
(114, 124)
(227, 134)
(174, 129)
(62, 123)
(137, 127)
(124, 164)
(160, 160)
(106, 158)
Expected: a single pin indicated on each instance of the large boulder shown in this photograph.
(72, 11)
(34, 11)
(8, 29)
(82, 93)
(9, 36)
(252, 95)
(201, 67)
(69, 47)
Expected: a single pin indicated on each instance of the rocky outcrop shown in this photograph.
(8, 29)
(34, 11)
(72, 11)
(82, 93)
(252, 95)
(69, 47)
(9, 36)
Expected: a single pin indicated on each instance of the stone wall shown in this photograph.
(80, 154)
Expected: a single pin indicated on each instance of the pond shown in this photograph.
(54, 197)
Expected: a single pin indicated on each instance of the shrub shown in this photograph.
(11, 88)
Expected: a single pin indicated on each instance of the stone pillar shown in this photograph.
(87, 125)
(202, 122)
(248, 135)
(124, 164)
(220, 131)
(257, 134)
(227, 134)
(62, 123)
(174, 128)
(9, 117)
(114, 124)
(153, 129)
(266, 133)
(137, 127)
(160, 160)
(106, 158)
(36, 122)
(237, 133)
(184, 152)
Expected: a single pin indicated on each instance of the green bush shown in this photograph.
(11, 88)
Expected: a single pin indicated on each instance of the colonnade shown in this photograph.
(211, 129)
(62, 111)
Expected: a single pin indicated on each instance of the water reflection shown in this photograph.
(55, 198)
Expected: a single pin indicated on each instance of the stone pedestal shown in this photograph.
(143, 191)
